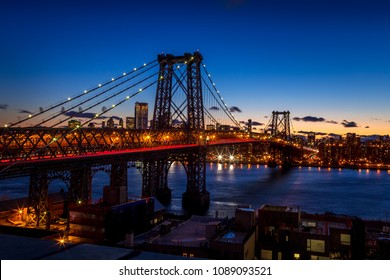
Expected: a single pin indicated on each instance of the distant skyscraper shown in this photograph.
(130, 122)
(110, 123)
(141, 115)
(120, 123)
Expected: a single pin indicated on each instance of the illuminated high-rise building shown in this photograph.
(141, 115)
(130, 122)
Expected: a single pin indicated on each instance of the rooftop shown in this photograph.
(279, 208)
(190, 233)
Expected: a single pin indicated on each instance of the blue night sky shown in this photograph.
(326, 61)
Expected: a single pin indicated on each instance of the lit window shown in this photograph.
(345, 239)
(297, 256)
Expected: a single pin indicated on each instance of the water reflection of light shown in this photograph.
(231, 167)
(329, 169)
(219, 166)
(258, 166)
(309, 168)
(319, 168)
(339, 169)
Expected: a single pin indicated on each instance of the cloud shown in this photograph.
(334, 135)
(367, 126)
(3, 106)
(309, 119)
(254, 123)
(21, 111)
(116, 118)
(316, 133)
(333, 122)
(346, 123)
(243, 122)
(214, 108)
(235, 109)
(266, 117)
(85, 115)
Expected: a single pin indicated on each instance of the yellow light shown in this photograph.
(79, 202)
(219, 157)
(97, 115)
(112, 79)
(135, 69)
(124, 74)
(100, 85)
(85, 91)
(113, 105)
(144, 64)
(140, 89)
(20, 211)
(54, 139)
(5, 125)
(69, 98)
(29, 116)
(127, 97)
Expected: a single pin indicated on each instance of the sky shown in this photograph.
(325, 61)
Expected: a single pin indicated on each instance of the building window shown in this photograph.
(314, 245)
(286, 238)
(345, 239)
(185, 254)
(297, 256)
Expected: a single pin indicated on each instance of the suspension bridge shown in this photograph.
(190, 118)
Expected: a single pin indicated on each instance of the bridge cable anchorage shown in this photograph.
(69, 99)
(220, 99)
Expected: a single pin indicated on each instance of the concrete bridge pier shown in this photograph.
(117, 192)
(155, 180)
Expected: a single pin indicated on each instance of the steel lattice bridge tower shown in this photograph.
(156, 171)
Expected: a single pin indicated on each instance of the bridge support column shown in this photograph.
(196, 199)
(117, 192)
(155, 180)
(81, 185)
(37, 200)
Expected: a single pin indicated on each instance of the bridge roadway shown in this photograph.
(19, 168)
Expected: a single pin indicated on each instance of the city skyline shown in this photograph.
(327, 62)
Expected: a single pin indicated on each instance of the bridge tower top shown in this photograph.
(192, 114)
(280, 125)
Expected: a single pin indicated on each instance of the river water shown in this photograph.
(363, 193)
